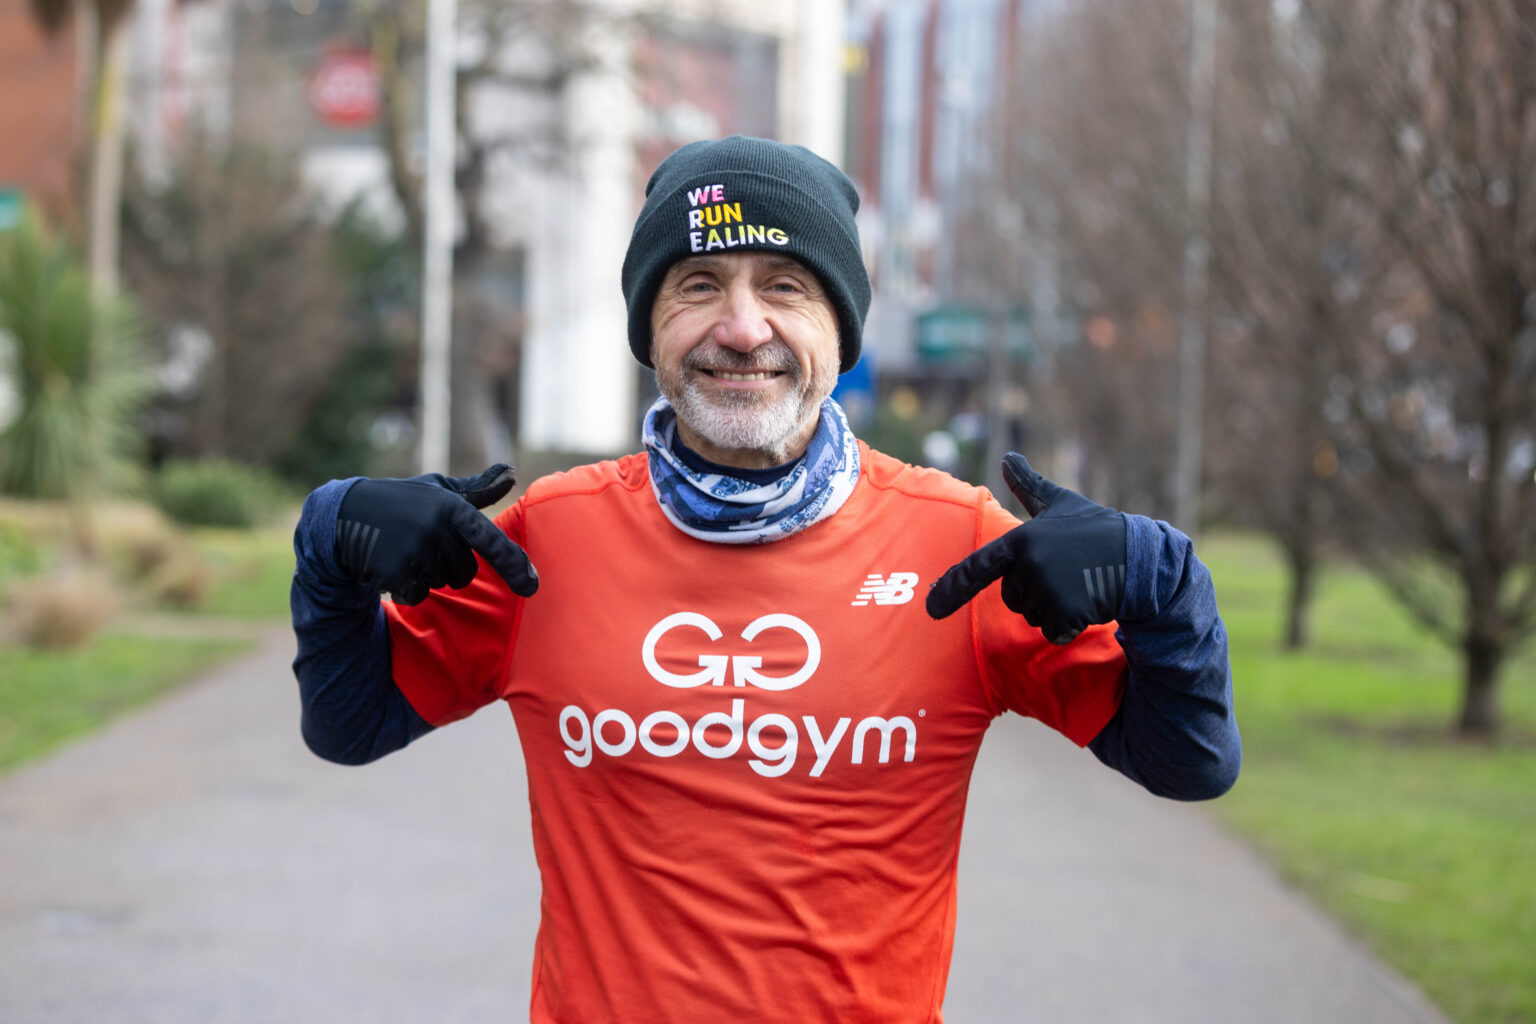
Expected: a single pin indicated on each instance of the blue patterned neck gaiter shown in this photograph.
(730, 510)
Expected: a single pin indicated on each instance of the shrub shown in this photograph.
(216, 492)
(181, 581)
(156, 558)
(136, 539)
(59, 611)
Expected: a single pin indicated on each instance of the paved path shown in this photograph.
(193, 864)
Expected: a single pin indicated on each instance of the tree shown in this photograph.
(1285, 283)
(1436, 103)
(241, 274)
(71, 357)
(1083, 201)
(103, 23)
(337, 438)
(517, 62)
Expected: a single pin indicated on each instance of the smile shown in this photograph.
(729, 376)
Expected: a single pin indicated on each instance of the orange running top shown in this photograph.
(747, 765)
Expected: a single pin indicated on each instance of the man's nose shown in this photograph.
(742, 325)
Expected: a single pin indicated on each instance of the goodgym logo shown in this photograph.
(771, 743)
(743, 668)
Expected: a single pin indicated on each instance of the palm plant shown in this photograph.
(71, 359)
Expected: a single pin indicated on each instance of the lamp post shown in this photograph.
(437, 234)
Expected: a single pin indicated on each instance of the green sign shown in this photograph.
(12, 201)
(955, 333)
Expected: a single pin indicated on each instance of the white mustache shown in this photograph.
(772, 357)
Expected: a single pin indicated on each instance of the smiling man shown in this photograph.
(745, 348)
(753, 671)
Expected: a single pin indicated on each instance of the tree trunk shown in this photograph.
(1480, 703)
(106, 162)
(1303, 567)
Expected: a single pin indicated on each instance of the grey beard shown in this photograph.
(743, 420)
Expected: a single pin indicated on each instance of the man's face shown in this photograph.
(745, 348)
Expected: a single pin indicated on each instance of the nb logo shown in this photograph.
(743, 668)
(897, 589)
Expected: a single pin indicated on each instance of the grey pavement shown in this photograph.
(194, 864)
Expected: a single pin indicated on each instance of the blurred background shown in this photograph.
(1264, 269)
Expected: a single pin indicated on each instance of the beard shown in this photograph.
(770, 423)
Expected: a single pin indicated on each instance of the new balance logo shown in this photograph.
(895, 589)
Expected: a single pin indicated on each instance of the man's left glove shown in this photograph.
(1064, 570)
(409, 537)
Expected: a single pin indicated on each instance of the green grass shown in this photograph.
(50, 697)
(1353, 784)
(252, 571)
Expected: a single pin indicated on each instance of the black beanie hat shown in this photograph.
(747, 193)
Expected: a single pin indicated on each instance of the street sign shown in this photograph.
(948, 334)
(12, 201)
(344, 90)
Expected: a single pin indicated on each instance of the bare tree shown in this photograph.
(1433, 106)
(1286, 282)
(242, 277)
(1375, 271)
(521, 52)
(1093, 155)
(1084, 198)
(521, 57)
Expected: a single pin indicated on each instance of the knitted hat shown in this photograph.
(745, 193)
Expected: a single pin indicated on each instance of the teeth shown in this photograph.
(742, 376)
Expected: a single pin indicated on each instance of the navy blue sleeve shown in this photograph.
(353, 712)
(1175, 733)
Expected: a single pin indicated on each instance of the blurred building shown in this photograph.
(680, 71)
(925, 81)
(558, 199)
(899, 92)
(583, 129)
(177, 74)
(41, 114)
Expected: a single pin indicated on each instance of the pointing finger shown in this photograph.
(510, 561)
(968, 577)
(1033, 490)
(486, 489)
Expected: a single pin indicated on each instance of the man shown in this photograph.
(752, 672)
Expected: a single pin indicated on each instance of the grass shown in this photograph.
(1353, 784)
(252, 571)
(48, 697)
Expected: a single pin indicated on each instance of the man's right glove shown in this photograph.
(1064, 570)
(409, 537)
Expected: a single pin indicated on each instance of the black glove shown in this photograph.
(409, 537)
(1064, 570)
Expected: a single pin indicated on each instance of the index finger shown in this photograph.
(969, 576)
(486, 539)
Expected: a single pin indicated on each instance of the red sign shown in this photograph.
(345, 89)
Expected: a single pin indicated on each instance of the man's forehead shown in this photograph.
(716, 261)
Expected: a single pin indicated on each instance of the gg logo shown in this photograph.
(743, 667)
